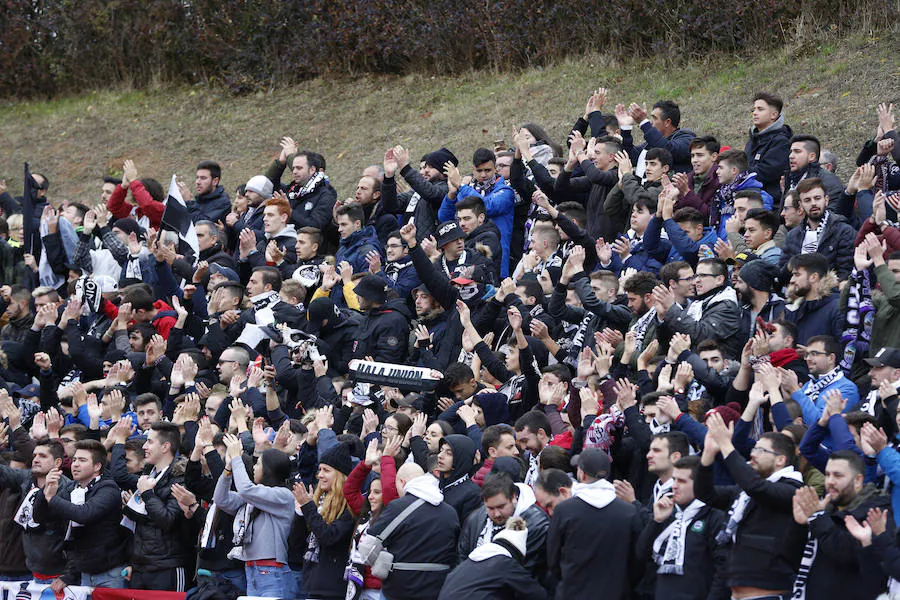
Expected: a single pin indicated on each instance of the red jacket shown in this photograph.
(146, 204)
(356, 500)
(162, 323)
(890, 235)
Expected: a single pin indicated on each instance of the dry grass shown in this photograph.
(830, 88)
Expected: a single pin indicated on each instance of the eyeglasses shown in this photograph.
(699, 275)
(815, 353)
(394, 246)
(691, 278)
(760, 450)
(389, 428)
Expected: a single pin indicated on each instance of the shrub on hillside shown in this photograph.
(53, 46)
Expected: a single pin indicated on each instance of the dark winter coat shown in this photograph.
(384, 333)
(459, 490)
(678, 143)
(212, 206)
(816, 317)
(767, 154)
(157, 542)
(836, 244)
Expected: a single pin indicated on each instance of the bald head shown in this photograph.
(407, 473)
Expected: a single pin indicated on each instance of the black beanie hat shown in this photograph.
(373, 288)
(759, 274)
(338, 458)
(438, 158)
(321, 309)
(129, 225)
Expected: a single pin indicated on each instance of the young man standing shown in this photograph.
(158, 553)
(97, 544)
(211, 202)
(770, 142)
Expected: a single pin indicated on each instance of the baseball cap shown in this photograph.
(227, 272)
(448, 232)
(886, 357)
(594, 462)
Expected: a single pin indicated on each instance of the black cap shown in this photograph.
(448, 232)
(338, 458)
(412, 401)
(422, 288)
(759, 275)
(594, 462)
(320, 309)
(373, 288)
(886, 357)
(438, 158)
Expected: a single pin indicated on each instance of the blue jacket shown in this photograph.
(889, 461)
(684, 245)
(812, 411)
(499, 204)
(816, 317)
(356, 246)
(819, 442)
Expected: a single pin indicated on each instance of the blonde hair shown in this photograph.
(335, 503)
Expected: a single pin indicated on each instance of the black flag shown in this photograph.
(177, 218)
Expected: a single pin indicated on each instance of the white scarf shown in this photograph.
(815, 386)
(812, 237)
(263, 305)
(696, 309)
(640, 328)
(661, 489)
(25, 515)
(674, 537)
(738, 509)
(242, 528)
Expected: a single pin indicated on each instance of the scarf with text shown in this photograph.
(668, 547)
(859, 317)
(816, 385)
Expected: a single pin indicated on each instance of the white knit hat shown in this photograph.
(261, 185)
(516, 533)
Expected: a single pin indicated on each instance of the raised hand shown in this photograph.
(662, 509)
(637, 112)
(623, 117)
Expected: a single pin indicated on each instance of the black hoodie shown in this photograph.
(459, 490)
(486, 236)
(384, 333)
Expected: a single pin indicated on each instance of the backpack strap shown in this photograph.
(399, 519)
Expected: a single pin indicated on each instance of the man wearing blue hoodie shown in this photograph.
(499, 198)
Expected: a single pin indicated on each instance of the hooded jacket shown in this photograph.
(536, 520)
(286, 240)
(494, 572)
(485, 239)
(590, 524)
(384, 333)
(356, 246)
(815, 317)
(427, 535)
(767, 153)
(458, 489)
(499, 204)
(720, 320)
(212, 206)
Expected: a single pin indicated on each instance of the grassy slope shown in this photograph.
(830, 91)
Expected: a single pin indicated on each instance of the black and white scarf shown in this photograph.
(815, 386)
(458, 268)
(668, 547)
(809, 557)
(486, 187)
(640, 328)
(309, 187)
(859, 317)
(393, 268)
(263, 305)
(812, 245)
(698, 307)
(738, 509)
(25, 514)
